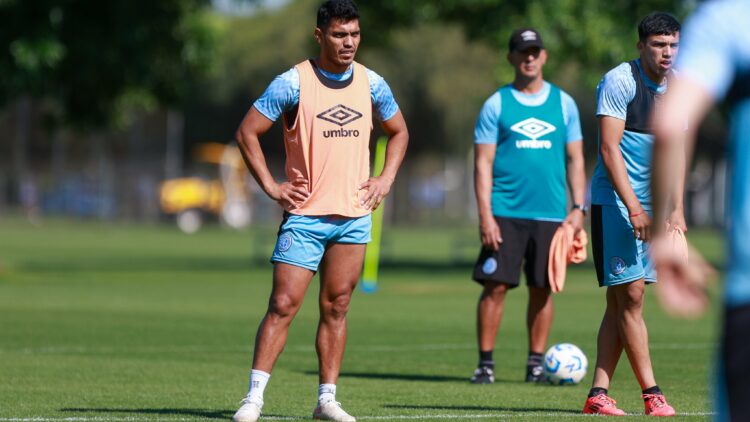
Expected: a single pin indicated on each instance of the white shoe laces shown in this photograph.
(338, 404)
(249, 400)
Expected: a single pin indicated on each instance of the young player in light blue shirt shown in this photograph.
(621, 208)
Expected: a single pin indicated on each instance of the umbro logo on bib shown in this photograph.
(533, 128)
(340, 115)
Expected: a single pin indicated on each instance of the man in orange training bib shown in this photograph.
(327, 105)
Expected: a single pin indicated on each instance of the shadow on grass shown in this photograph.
(141, 264)
(203, 413)
(407, 377)
(134, 264)
(480, 408)
(201, 263)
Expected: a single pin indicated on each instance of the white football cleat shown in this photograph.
(249, 411)
(332, 411)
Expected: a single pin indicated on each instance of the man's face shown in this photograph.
(338, 42)
(658, 53)
(528, 62)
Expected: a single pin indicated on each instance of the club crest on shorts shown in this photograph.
(489, 266)
(617, 265)
(284, 243)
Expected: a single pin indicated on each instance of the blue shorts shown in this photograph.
(619, 257)
(303, 239)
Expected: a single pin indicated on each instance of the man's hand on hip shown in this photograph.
(376, 190)
(289, 196)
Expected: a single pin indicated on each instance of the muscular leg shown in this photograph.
(339, 273)
(490, 313)
(633, 332)
(289, 286)
(539, 318)
(608, 344)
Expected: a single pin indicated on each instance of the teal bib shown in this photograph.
(529, 167)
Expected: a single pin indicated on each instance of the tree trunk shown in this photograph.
(21, 144)
(175, 130)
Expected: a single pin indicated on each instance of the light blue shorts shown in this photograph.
(302, 239)
(619, 257)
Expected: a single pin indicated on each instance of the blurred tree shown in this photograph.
(90, 61)
(440, 81)
(585, 38)
(93, 66)
(250, 52)
(438, 77)
(590, 32)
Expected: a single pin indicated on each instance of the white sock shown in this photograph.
(258, 381)
(326, 393)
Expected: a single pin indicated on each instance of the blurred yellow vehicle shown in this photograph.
(225, 195)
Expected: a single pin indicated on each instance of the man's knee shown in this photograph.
(494, 292)
(539, 295)
(336, 307)
(282, 306)
(630, 296)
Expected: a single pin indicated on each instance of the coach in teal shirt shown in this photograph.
(531, 132)
(528, 140)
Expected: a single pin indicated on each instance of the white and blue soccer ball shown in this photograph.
(565, 364)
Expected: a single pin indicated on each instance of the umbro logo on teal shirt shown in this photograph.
(533, 128)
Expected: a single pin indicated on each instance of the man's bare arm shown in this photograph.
(398, 140)
(611, 130)
(489, 231)
(576, 171)
(253, 125)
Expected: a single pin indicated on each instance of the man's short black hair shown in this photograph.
(345, 10)
(658, 23)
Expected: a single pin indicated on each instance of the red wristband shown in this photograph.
(636, 214)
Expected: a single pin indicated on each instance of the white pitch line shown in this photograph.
(508, 415)
(74, 419)
(294, 349)
(380, 418)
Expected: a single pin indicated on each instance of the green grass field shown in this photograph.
(135, 322)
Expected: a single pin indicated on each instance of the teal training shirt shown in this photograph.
(529, 168)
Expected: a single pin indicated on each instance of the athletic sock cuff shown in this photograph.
(485, 356)
(256, 372)
(653, 390)
(597, 390)
(535, 359)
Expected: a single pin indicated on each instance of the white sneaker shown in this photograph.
(249, 411)
(332, 411)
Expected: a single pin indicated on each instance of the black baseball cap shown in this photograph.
(523, 38)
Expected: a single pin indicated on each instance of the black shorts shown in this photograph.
(525, 242)
(735, 353)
